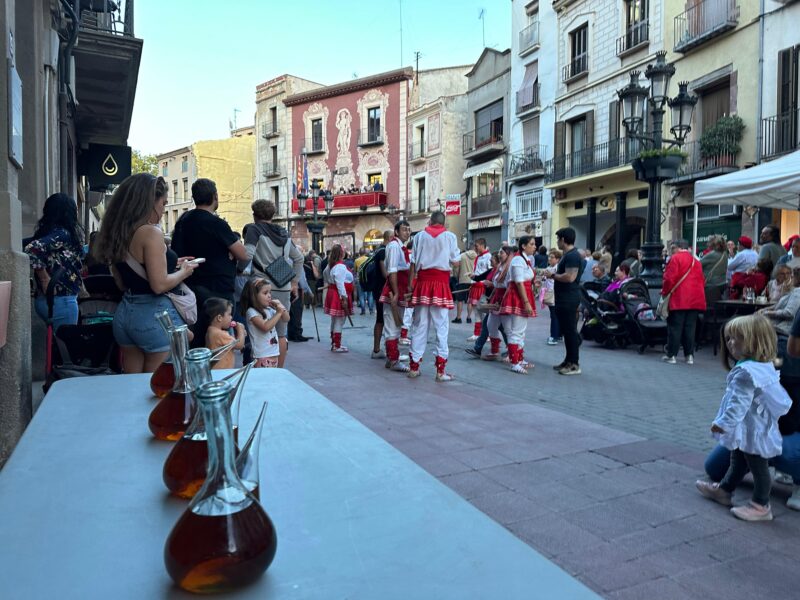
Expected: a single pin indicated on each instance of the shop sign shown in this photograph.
(452, 207)
(485, 223)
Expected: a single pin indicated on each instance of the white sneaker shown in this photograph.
(690, 359)
(378, 354)
(400, 367)
(670, 360)
(783, 478)
(340, 349)
(794, 500)
(472, 338)
(442, 377)
(404, 342)
(551, 341)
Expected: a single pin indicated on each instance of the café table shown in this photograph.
(85, 513)
(741, 307)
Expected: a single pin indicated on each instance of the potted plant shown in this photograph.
(662, 163)
(719, 144)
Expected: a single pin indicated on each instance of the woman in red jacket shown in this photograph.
(684, 278)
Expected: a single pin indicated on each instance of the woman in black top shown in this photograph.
(130, 231)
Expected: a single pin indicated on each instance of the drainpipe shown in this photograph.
(64, 74)
(759, 99)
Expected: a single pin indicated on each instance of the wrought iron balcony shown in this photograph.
(269, 130)
(370, 137)
(703, 163)
(608, 155)
(314, 145)
(272, 169)
(529, 38)
(486, 206)
(416, 152)
(703, 21)
(528, 98)
(526, 164)
(483, 140)
(780, 134)
(578, 67)
(636, 35)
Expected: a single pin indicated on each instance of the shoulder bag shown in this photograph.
(662, 310)
(182, 297)
(279, 271)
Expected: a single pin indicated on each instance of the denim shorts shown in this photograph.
(135, 322)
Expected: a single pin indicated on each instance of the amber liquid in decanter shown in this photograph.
(163, 380)
(171, 416)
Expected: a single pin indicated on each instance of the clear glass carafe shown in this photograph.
(247, 460)
(163, 378)
(224, 539)
(172, 415)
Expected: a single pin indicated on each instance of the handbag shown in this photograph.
(181, 296)
(662, 310)
(279, 270)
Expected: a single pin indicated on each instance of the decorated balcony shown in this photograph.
(350, 203)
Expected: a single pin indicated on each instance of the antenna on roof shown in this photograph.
(482, 19)
(401, 32)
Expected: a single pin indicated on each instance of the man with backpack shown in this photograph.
(372, 277)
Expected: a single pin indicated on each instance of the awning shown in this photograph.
(491, 166)
(775, 184)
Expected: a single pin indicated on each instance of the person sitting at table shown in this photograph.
(745, 259)
(783, 312)
(792, 259)
(756, 279)
(781, 285)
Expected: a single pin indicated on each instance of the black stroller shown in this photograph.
(644, 326)
(87, 348)
(604, 320)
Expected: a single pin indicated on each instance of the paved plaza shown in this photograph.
(596, 472)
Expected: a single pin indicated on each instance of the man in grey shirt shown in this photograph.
(771, 246)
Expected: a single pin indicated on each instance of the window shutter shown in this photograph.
(784, 79)
(559, 131)
(613, 133)
(589, 154)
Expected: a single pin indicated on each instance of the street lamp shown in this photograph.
(657, 161)
(317, 223)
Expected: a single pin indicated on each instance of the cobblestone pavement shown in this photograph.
(595, 472)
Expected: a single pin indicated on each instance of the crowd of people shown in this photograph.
(249, 290)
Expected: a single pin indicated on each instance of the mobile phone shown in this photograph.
(196, 261)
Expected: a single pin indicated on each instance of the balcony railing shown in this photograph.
(269, 130)
(370, 137)
(117, 19)
(528, 205)
(529, 162)
(608, 155)
(577, 67)
(635, 35)
(272, 169)
(528, 98)
(487, 205)
(780, 134)
(529, 37)
(700, 164)
(416, 151)
(703, 21)
(314, 145)
(348, 202)
(486, 137)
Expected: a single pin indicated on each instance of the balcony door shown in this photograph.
(577, 144)
(489, 124)
(374, 124)
(786, 134)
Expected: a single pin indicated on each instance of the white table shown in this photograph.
(84, 513)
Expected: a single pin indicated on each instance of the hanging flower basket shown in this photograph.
(657, 167)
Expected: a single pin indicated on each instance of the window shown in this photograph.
(374, 124)
(577, 145)
(488, 184)
(273, 122)
(185, 189)
(422, 201)
(374, 178)
(528, 94)
(636, 29)
(316, 135)
(164, 168)
(578, 52)
(274, 154)
(175, 190)
(530, 133)
(184, 164)
(715, 102)
(275, 193)
(529, 205)
(489, 124)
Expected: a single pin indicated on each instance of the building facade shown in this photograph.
(437, 118)
(534, 66)
(352, 136)
(274, 162)
(483, 146)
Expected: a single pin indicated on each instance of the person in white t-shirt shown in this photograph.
(263, 314)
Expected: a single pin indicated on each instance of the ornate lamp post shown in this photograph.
(658, 160)
(317, 223)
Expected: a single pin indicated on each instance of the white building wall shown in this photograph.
(777, 36)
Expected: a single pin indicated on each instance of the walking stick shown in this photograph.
(314, 312)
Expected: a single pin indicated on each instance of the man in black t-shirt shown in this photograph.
(200, 233)
(567, 298)
(377, 330)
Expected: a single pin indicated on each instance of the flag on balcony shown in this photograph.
(305, 173)
(298, 176)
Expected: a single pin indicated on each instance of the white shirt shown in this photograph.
(435, 252)
(483, 264)
(395, 257)
(520, 270)
(741, 263)
(339, 275)
(265, 345)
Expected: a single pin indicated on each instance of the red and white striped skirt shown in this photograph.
(333, 304)
(402, 288)
(513, 304)
(476, 291)
(432, 288)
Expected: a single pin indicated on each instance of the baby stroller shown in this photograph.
(603, 320)
(644, 326)
(87, 348)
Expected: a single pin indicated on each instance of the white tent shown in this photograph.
(775, 184)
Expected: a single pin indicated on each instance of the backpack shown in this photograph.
(369, 274)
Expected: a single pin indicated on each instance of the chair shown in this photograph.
(710, 323)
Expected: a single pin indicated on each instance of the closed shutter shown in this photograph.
(559, 132)
(613, 133)
(589, 155)
(786, 125)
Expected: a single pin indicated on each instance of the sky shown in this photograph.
(204, 58)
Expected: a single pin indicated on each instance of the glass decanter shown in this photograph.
(163, 378)
(172, 415)
(224, 539)
(247, 460)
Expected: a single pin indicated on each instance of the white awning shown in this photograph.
(492, 166)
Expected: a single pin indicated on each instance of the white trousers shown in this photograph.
(336, 324)
(438, 318)
(493, 324)
(391, 330)
(515, 327)
(408, 317)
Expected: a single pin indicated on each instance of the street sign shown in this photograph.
(452, 207)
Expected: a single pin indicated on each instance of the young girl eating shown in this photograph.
(263, 313)
(220, 321)
(747, 420)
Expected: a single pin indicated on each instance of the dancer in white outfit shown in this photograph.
(518, 303)
(435, 250)
(393, 298)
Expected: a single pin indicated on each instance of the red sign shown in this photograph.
(452, 207)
